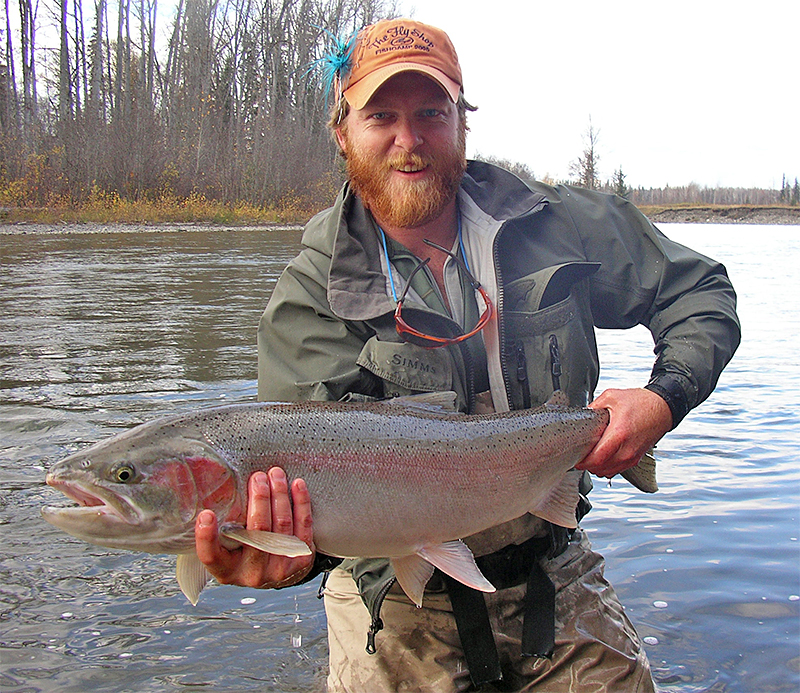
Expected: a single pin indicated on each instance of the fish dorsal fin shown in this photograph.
(643, 474)
(559, 505)
(456, 560)
(413, 574)
(268, 542)
(440, 402)
(558, 399)
(192, 576)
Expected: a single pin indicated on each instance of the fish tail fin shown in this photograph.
(643, 474)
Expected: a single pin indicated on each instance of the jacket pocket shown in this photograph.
(549, 335)
(406, 368)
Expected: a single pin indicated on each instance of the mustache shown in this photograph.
(401, 161)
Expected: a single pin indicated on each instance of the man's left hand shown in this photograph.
(639, 419)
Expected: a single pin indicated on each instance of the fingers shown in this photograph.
(638, 420)
(303, 526)
(269, 508)
(211, 553)
(281, 507)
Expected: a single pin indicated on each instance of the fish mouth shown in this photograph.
(92, 505)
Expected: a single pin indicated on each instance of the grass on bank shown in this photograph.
(109, 208)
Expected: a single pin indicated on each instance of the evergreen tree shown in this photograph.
(620, 186)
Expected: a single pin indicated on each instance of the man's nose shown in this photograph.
(407, 136)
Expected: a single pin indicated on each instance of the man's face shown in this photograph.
(405, 151)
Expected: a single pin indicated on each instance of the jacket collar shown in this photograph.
(357, 286)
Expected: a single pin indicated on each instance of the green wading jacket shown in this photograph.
(556, 261)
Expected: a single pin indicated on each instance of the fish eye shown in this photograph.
(124, 473)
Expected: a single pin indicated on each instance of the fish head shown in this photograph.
(142, 490)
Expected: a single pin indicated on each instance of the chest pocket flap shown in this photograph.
(407, 365)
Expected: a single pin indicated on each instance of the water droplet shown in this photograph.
(650, 640)
(248, 600)
(660, 605)
(67, 614)
(794, 597)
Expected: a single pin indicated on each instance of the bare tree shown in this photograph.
(584, 168)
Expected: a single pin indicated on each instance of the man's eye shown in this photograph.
(430, 112)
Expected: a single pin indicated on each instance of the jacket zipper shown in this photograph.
(522, 375)
(376, 623)
(555, 363)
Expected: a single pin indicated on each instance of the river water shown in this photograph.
(100, 331)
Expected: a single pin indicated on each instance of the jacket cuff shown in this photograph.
(670, 387)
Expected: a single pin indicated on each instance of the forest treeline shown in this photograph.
(223, 107)
(109, 101)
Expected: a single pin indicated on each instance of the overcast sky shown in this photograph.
(681, 91)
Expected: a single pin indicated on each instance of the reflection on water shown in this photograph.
(101, 331)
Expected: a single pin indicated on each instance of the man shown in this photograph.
(555, 262)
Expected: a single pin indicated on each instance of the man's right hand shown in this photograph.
(269, 508)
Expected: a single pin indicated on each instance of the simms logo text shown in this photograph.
(412, 364)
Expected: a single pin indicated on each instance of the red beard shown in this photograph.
(406, 204)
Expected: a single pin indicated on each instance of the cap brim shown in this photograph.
(359, 94)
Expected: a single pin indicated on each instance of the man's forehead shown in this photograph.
(409, 86)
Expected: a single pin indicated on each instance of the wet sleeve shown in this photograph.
(685, 299)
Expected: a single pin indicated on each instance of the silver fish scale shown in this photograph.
(432, 477)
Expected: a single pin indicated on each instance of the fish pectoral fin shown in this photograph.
(456, 560)
(643, 474)
(412, 573)
(559, 505)
(192, 576)
(268, 542)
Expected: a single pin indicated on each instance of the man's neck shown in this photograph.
(442, 230)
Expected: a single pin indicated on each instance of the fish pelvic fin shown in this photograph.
(268, 542)
(412, 573)
(456, 560)
(559, 505)
(643, 474)
(192, 576)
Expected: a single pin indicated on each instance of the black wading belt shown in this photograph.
(505, 568)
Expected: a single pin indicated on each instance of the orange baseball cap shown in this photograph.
(391, 46)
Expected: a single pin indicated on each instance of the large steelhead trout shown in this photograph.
(404, 479)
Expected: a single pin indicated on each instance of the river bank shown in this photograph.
(723, 214)
(716, 214)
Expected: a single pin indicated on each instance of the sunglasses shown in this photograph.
(428, 341)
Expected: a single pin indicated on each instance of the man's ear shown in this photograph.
(340, 138)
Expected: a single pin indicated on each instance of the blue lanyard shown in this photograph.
(389, 262)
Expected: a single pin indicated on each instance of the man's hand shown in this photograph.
(268, 508)
(639, 419)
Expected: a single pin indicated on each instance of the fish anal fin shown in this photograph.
(412, 573)
(643, 474)
(268, 542)
(456, 560)
(559, 505)
(192, 576)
